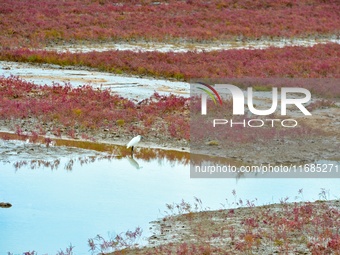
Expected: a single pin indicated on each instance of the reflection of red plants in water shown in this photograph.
(36, 164)
(115, 151)
(146, 154)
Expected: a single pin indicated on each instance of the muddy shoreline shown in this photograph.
(100, 136)
(321, 143)
(129, 86)
(298, 149)
(303, 149)
(179, 229)
(181, 46)
(189, 226)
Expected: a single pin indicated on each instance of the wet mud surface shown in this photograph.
(132, 87)
(185, 47)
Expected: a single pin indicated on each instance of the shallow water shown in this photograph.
(53, 208)
(199, 47)
(126, 86)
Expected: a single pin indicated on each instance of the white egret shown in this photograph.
(26, 142)
(133, 142)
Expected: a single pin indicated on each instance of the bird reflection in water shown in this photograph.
(133, 162)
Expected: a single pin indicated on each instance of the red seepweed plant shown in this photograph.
(319, 61)
(71, 111)
(28, 23)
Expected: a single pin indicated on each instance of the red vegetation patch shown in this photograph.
(86, 109)
(320, 61)
(39, 22)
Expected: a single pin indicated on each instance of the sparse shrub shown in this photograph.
(213, 143)
(34, 136)
(120, 122)
(72, 133)
(321, 104)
